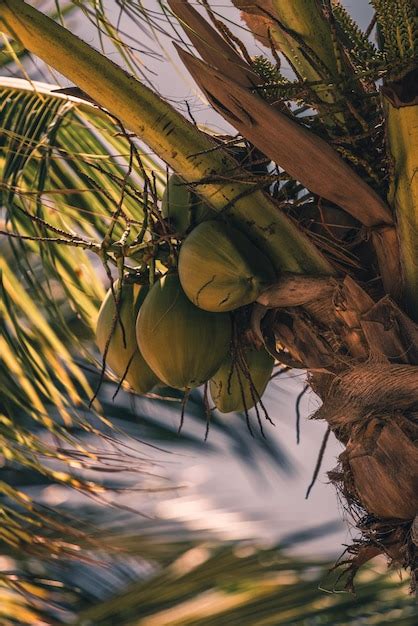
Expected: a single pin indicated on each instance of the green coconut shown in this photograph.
(230, 388)
(124, 358)
(182, 207)
(182, 344)
(220, 269)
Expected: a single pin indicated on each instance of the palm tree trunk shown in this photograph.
(362, 361)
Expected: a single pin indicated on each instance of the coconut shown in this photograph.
(124, 358)
(182, 344)
(221, 269)
(182, 207)
(238, 386)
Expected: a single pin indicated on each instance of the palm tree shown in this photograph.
(336, 213)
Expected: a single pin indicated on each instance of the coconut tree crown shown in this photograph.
(320, 180)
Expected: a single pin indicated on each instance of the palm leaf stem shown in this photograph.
(402, 140)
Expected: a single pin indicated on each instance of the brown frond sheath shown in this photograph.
(302, 154)
(362, 357)
(211, 46)
(294, 290)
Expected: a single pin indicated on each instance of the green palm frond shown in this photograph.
(248, 593)
(51, 191)
(167, 574)
(65, 171)
(110, 30)
(181, 144)
(65, 167)
(201, 583)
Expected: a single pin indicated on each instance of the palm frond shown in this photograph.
(166, 574)
(75, 189)
(207, 583)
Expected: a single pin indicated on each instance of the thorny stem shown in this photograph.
(116, 318)
(47, 225)
(120, 265)
(119, 210)
(119, 262)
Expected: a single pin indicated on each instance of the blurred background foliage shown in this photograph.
(63, 164)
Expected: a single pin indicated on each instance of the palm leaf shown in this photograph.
(207, 583)
(86, 138)
(165, 574)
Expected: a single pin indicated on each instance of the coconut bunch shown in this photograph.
(191, 326)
